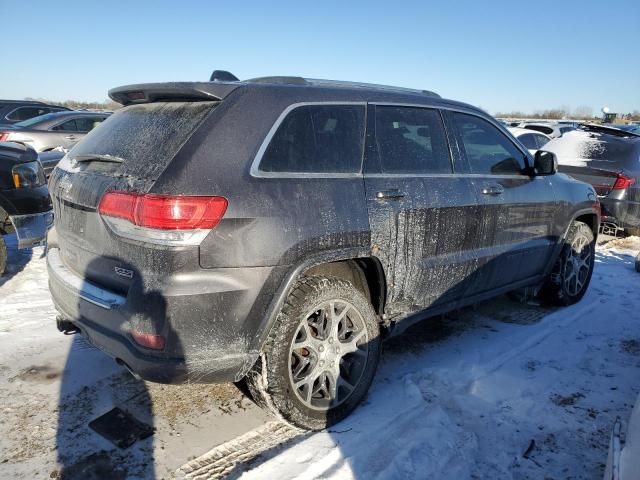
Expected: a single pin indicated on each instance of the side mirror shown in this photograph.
(545, 163)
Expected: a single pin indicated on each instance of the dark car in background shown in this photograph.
(609, 159)
(60, 129)
(14, 111)
(25, 206)
(271, 229)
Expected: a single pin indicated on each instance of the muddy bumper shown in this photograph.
(205, 330)
(32, 229)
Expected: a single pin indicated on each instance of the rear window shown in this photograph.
(146, 136)
(317, 139)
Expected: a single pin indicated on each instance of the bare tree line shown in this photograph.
(580, 113)
(78, 105)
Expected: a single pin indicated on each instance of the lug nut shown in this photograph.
(321, 348)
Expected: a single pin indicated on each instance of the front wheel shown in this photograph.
(572, 271)
(321, 355)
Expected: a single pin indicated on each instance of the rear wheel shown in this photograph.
(572, 271)
(321, 355)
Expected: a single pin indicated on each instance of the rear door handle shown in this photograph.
(492, 190)
(392, 194)
(70, 137)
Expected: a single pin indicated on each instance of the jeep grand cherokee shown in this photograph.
(273, 229)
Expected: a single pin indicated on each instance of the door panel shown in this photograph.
(422, 216)
(515, 236)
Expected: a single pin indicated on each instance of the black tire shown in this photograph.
(3, 255)
(561, 287)
(271, 381)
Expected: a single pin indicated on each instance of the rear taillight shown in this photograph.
(623, 182)
(166, 219)
(148, 340)
(4, 136)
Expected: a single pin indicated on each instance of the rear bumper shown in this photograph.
(623, 212)
(203, 319)
(32, 229)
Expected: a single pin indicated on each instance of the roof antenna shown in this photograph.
(223, 76)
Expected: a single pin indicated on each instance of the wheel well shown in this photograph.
(591, 220)
(366, 274)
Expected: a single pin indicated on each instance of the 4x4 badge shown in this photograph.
(123, 272)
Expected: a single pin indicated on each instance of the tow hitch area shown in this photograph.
(66, 327)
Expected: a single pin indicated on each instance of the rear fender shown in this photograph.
(288, 283)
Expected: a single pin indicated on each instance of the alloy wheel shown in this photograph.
(328, 355)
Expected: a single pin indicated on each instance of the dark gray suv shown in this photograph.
(275, 229)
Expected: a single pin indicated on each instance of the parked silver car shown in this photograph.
(60, 129)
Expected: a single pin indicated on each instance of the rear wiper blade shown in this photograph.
(97, 158)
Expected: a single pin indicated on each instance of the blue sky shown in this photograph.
(499, 55)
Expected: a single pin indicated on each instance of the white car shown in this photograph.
(553, 130)
(531, 139)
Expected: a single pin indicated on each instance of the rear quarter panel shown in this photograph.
(269, 221)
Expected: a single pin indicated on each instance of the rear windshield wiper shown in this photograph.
(97, 158)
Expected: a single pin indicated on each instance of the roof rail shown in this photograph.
(279, 80)
(388, 88)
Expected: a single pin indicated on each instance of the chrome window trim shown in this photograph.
(255, 171)
(445, 175)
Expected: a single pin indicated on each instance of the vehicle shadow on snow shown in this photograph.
(416, 341)
(97, 395)
(424, 333)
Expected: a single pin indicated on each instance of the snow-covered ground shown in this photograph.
(504, 391)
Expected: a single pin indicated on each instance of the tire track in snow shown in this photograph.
(553, 322)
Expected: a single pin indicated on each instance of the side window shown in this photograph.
(68, 126)
(86, 124)
(317, 139)
(25, 113)
(411, 140)
(487, 149)
(529, 141)
(541, 140)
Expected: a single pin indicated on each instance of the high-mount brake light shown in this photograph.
(623, 182)
(164, 219)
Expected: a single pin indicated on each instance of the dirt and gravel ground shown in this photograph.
(505, 390)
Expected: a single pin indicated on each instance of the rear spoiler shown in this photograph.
(172, 92)
(611, 130)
